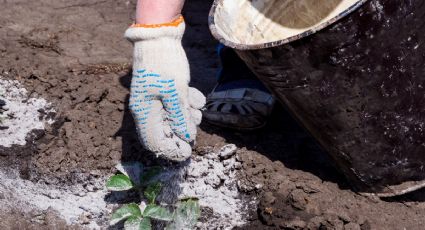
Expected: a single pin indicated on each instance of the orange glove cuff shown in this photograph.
(174, 23)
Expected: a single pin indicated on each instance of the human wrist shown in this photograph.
(173, 29)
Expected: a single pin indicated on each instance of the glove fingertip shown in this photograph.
(197, 99)
(196, 116)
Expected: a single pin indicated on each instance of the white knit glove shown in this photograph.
(166, 110)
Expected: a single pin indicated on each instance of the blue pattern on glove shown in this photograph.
(148, 87)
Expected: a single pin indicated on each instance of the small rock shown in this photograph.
(316, 222)
(96, 173)
(38, 218)
(298, 199)
(197, 158)
(294, 224)
(204, 150)
(342, 215)
(333, 222)
(210, 156)
(80, 194)
(214, 181)
(52, 195)
(269, 198)
(84, 218)
(239, 158)
(352, 226)
(229, 162)
(228, 151)
(195, 172)
(307, 188)
(90, 188)
(245, 186)
(52, 219)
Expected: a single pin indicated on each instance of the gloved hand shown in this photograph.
(166, 110)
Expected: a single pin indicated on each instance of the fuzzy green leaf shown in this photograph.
(132, 223)
(126, 211)
(119, 182)
(186, 215)
(189, 208)
(131, 169)
(152, 191)
(145, 224)
(157, 212)
(137, 223)
(150, 174)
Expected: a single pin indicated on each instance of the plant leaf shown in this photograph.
(119, 182)
(132, 223)
(189, 209)
(152, 191)
(131, 169)
(157, 212)
(145, 224)
(186, 215)
(150, 174)
(126, 211)
(138, 223)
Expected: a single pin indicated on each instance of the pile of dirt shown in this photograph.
(73, 54)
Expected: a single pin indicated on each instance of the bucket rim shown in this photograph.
(397, 190)
(240, 46)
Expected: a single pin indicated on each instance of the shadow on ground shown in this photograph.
(284, 140)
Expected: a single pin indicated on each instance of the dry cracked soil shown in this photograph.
(73, 54)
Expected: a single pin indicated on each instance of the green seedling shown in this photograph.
(152, 191)
(185, 215)
(119, 182)
(136, 219)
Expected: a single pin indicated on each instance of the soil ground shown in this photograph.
(73, 54)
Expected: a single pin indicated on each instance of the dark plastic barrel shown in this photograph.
(358, 86)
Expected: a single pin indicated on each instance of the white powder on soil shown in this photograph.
(26, 195)
(212, 178)
(22, 114)
(213, 181)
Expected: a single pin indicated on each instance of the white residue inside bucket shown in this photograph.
(21, 114)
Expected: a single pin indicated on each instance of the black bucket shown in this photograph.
(355, 80)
